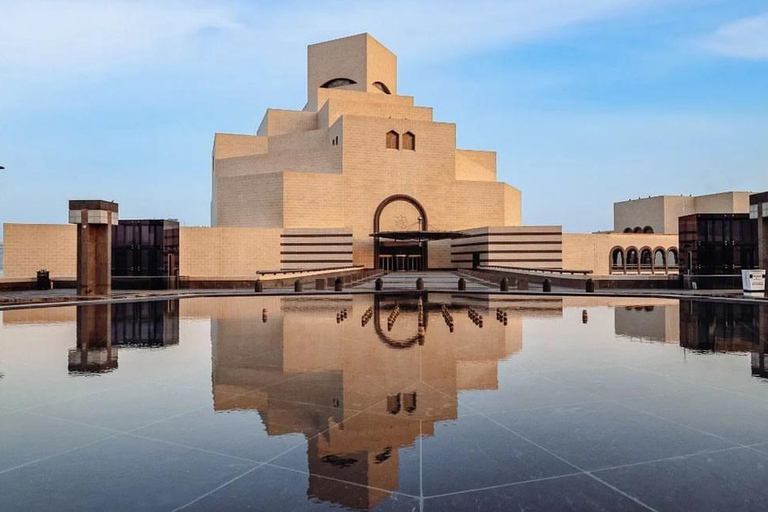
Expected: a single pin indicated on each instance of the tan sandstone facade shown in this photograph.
(356, 144)
(311, 186)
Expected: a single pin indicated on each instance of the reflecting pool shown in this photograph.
(447, 402)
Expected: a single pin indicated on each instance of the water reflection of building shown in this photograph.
(94, 352)
(719, 326)
(654, 320)
(102, 328)
(305, 371)
(146, 324)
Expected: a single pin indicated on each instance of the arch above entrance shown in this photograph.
(399, 197)
(399, 255)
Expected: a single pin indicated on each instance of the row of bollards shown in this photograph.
(393, 317)
(476, 317)
(341, 316)
(298, 286)
(366, 316)
(422, 322)
(501, 316)
(447, 317)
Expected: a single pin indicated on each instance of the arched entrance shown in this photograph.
(407, 252)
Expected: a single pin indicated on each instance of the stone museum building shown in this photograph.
(362, 160)
(364, 176)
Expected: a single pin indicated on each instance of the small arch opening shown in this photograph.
(382, 87)
(617, 259)
(393, 140)
(337, 82)
(646, 259)
(628, 230)
(647, 229)
(637, 229)
(632, 258)
(409, 141)
(672, 258)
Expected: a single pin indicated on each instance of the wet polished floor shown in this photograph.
(350, 402)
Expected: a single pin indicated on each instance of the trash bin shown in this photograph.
(43, 280)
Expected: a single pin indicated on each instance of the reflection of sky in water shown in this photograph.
(277, 403)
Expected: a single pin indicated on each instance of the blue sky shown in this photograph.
(586, 102)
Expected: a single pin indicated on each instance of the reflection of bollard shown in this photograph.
(379, 284)
(504, 284)
(297, 286)
(259, 286)
(419, 284)
(547, 285)
(264, 315)
(462, 284)
(338, 285)
(590, 286)
(584, 316)
(319, 284)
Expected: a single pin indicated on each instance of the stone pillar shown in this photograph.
(94, 245)
(94, 352)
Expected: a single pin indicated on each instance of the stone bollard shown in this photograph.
(379, 284)
(258, 287)
(319, 284)
(547, 285)
(297, 286)
(419, 284)
(504, 284)
(462, 284)
(590, 286)
(338, 285)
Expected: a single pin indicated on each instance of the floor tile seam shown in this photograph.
(622, 492)
(543, 407)
(682, 425)
(340, 480)
(698, 384)
(683, 456)
(573, 465)
(74, 422)
(524, 438)
(659, 394)
(219, 487)
(109, 429)
(59, 454)
(421, 462)
(262, 464)
(503, 486)
(283, 381)
(94, 393)
(198, 449)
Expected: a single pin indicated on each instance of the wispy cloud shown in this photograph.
(58, 35)
(746, 38)
(93, 34)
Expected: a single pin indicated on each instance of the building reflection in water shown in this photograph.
(102, 328)
(726, 327)
(310, 366)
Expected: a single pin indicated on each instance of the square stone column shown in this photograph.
(94, 245)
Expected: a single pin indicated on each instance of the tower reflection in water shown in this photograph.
(726, 327)
(356, 378)
(103, 328)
